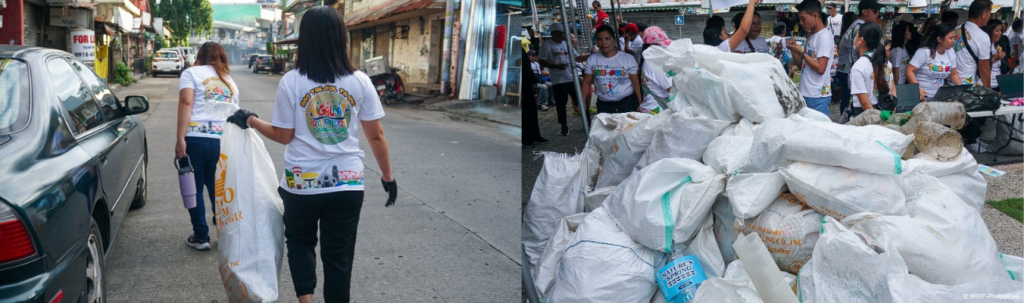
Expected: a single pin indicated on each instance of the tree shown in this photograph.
(185, 17)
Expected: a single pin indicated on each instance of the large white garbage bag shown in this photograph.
(558, 192)
(845, 269)
(596, 197)
(607, 126)
(547, 266)
(779, 141)
(626, 150)
(684, 135)
(788, 229)
(751, 193)
(602, 264)
(705, 248)
(250, 226)
(960, 175)
(665, 202)
(841, 192)
(725, 227)
(942, 229)
(727, 153)
(734, 287)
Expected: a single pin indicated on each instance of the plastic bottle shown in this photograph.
(938, 141)
(868, 117)
(187, 182)
(761, 268)
(951, 114)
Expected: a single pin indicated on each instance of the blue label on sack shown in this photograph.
(679, 279)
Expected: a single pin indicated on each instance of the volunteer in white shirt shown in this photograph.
(815, 84)
(320, 108)
(636, 44)
(847, 54)
(834, 23)
(743, 28)
(613, 74)
(976, 68)
(556, 55)
(871, 75)
(752, 42)
(656, 83)
(199, 131)
(934, 62)
(900, 57)
(995, 31)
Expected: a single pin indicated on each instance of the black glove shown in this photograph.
(240, 116)
(392, 189)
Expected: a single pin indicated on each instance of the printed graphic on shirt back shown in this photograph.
(298, 179)
(328, 113)
(215, 91)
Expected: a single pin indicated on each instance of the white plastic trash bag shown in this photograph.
(684, 135)
(602, 264)
(941, 229)
(960, 175)
(665, 202)
(727, 153)
(557, 193)
(250, 226)
(596, 197)
(547, 266)
(750, 194)
(788, 229)
(606, 127)
(841, 192)
(734, 287)
(705, 248)
(779, 141)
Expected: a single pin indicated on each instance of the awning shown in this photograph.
(385, 9)
(516, 3)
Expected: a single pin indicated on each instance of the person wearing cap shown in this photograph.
(630, 33)
(847, 53)
(815, 83)
(556, 55)
(835, 22)
(973, 46)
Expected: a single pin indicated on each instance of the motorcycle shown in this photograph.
(390, 87)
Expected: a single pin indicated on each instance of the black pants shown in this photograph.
(627, 104)
(562, 93)
(338, 216)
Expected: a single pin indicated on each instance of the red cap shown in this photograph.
(631, 28)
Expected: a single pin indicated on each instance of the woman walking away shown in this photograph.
(199, 132)
(871, 75)
(319, 110)
(934, 62)
(614, 74)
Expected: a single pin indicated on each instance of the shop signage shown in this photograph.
(83, 44)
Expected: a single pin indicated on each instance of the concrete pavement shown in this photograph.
(453, 235)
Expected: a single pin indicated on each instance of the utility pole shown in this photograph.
(446, 59)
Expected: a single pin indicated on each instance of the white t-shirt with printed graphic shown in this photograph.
(636, 46)
(812, 84)
(208, 89)
(862, 81)
(760, 45)
(835, 25)
(611, 75)
(900, 59)
(980, 43)
(557, 53)
(324, 155)
(932, 72)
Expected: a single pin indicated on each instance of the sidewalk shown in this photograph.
(485, 109)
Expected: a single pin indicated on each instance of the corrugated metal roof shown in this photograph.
(384, 10)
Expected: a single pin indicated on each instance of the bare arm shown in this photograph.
(185, 99)
(955, 77)
(279, 135)
(374, 133)
(588, 80)
(985, 72)
(741, 33)
(865, 103)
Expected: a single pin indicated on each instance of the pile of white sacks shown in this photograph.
(847, 213)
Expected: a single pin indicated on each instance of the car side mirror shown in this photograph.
(134, 105)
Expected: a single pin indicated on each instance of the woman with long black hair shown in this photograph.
(200, 86)
(319, 110)
(934, 62)
(900, 57)
(871, 75)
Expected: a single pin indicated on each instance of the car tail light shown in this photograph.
(14, 236)
(58, 297)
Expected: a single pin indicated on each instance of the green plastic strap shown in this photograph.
(885, 115)
(896, 157)
(666, 212)
(1008, 271)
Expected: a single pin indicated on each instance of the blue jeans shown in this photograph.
(844, 96)
(543, 97)
(819, 104)
(203, 153)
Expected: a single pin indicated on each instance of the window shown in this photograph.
(74, 95)
(14, 95)
(108, 103)
(169, 55)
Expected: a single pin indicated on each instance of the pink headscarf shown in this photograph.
(655, 35)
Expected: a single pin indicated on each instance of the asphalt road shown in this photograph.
(453, 235)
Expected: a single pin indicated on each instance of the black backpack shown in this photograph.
(976, 98)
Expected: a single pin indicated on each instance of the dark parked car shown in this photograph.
(252, 58)
(262, 63)
(72, 163)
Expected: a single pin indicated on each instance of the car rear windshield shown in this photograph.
(14, 95)
(168, 55)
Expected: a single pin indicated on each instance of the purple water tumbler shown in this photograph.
(187, 182)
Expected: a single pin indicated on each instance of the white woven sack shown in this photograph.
(841, 192)
(557, 193)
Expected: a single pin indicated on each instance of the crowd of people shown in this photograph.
(849, 52)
